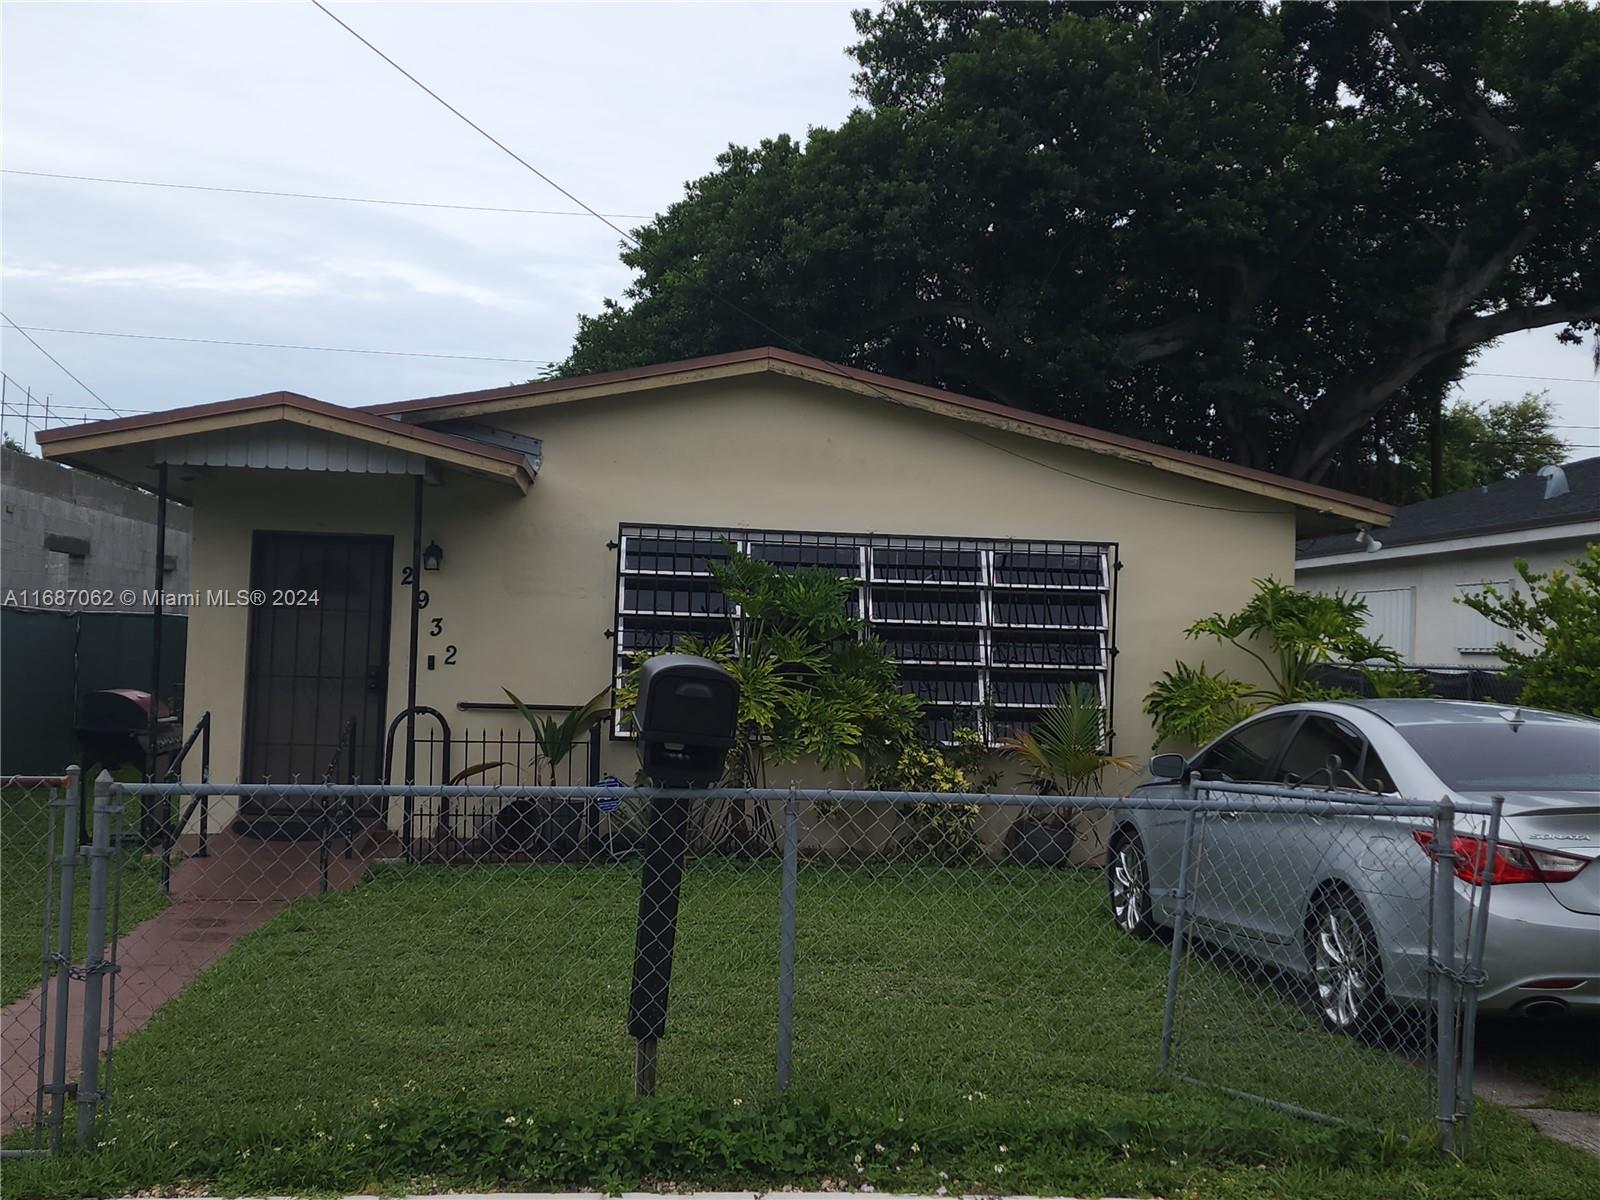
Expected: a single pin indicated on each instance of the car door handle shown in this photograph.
(1228, 816)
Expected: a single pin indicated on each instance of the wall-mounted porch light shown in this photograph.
(433, 557)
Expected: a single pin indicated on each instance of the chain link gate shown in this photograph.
(897, 948)
(1381, 949)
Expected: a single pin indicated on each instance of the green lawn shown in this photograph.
(24, 823)
(464, 1027)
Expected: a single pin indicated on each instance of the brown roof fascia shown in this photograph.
(771, 357)
(67, 434)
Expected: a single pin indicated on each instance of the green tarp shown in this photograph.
(49, 660)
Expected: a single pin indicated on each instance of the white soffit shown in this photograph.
(283, 446)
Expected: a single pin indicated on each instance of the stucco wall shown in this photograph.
(1436, 623)
(529, 585)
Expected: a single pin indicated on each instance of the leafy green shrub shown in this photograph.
(814, 682)
(1191, 705)
(1560, 617)
(1290, 634)
(947, 831)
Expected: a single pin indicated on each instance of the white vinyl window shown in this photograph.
(981, 628)
(1475, 633)
(1390, 617)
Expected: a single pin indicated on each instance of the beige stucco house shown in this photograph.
(1002, 553)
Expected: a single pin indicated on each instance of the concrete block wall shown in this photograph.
(43, 503)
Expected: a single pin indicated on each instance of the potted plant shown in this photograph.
(1065, 754)
(520, 825)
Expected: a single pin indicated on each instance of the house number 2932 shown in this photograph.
(435, 624)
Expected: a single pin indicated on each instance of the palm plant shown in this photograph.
(1065, 749)
(555, 737)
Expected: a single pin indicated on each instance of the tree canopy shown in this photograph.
(1243, 229)
(1484, 443)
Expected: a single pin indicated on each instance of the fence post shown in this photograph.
(786, 932)
(46, 960)
(94, 962)
(1473, 978)
(1444, 932)
(1185, 856)
(72, 802)
(322, 843)
(205, 778)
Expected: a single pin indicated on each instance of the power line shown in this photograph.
(1542, 378)
(57, 362)
(76, 408)
(1260, 512)
(240, 191)
(481, 131)
(159, 337)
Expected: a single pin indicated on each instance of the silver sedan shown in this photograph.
(1342, 902)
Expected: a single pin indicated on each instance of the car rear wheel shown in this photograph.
(1128, 885)
(1346, 969)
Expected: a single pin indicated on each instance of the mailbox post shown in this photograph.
(687, 715)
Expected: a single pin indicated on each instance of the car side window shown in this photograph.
(1244, 755)
(1318, 744)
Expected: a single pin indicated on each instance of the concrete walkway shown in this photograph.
(239, 886)
(1494, 1082)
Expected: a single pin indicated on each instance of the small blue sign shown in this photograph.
(609, 804)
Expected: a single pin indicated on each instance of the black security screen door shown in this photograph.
(319, 656)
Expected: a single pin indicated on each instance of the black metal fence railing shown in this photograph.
(480, 827)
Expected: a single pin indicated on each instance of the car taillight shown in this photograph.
(1513, 863)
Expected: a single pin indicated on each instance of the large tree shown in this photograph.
(1245, 229)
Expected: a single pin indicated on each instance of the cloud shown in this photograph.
(419, 279)
(238, 279)
(354, 278)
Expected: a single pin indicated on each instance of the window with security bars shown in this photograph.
(984, 630)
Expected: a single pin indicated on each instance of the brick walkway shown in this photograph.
(241, 885)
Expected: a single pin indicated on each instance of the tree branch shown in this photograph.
(1251, 281)
(1464, 100)
(1346, 408)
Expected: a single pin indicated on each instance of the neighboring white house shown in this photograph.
(1411, 573)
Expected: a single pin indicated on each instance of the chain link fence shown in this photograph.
(892, 951)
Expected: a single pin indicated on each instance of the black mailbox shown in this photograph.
(686, 715)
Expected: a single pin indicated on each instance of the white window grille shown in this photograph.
(987, 632)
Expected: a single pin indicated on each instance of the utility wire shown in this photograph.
(1542, 378)
(624, 234)
(240, 191)
(158, 337)
(12, 324)
(507, 150)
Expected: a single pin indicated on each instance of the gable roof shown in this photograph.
(406, 424)
(897, 391)
(494, 461)
(1504, 507)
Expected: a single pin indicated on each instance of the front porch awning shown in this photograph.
(288, 432)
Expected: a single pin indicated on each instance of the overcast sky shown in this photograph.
(621, 104)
